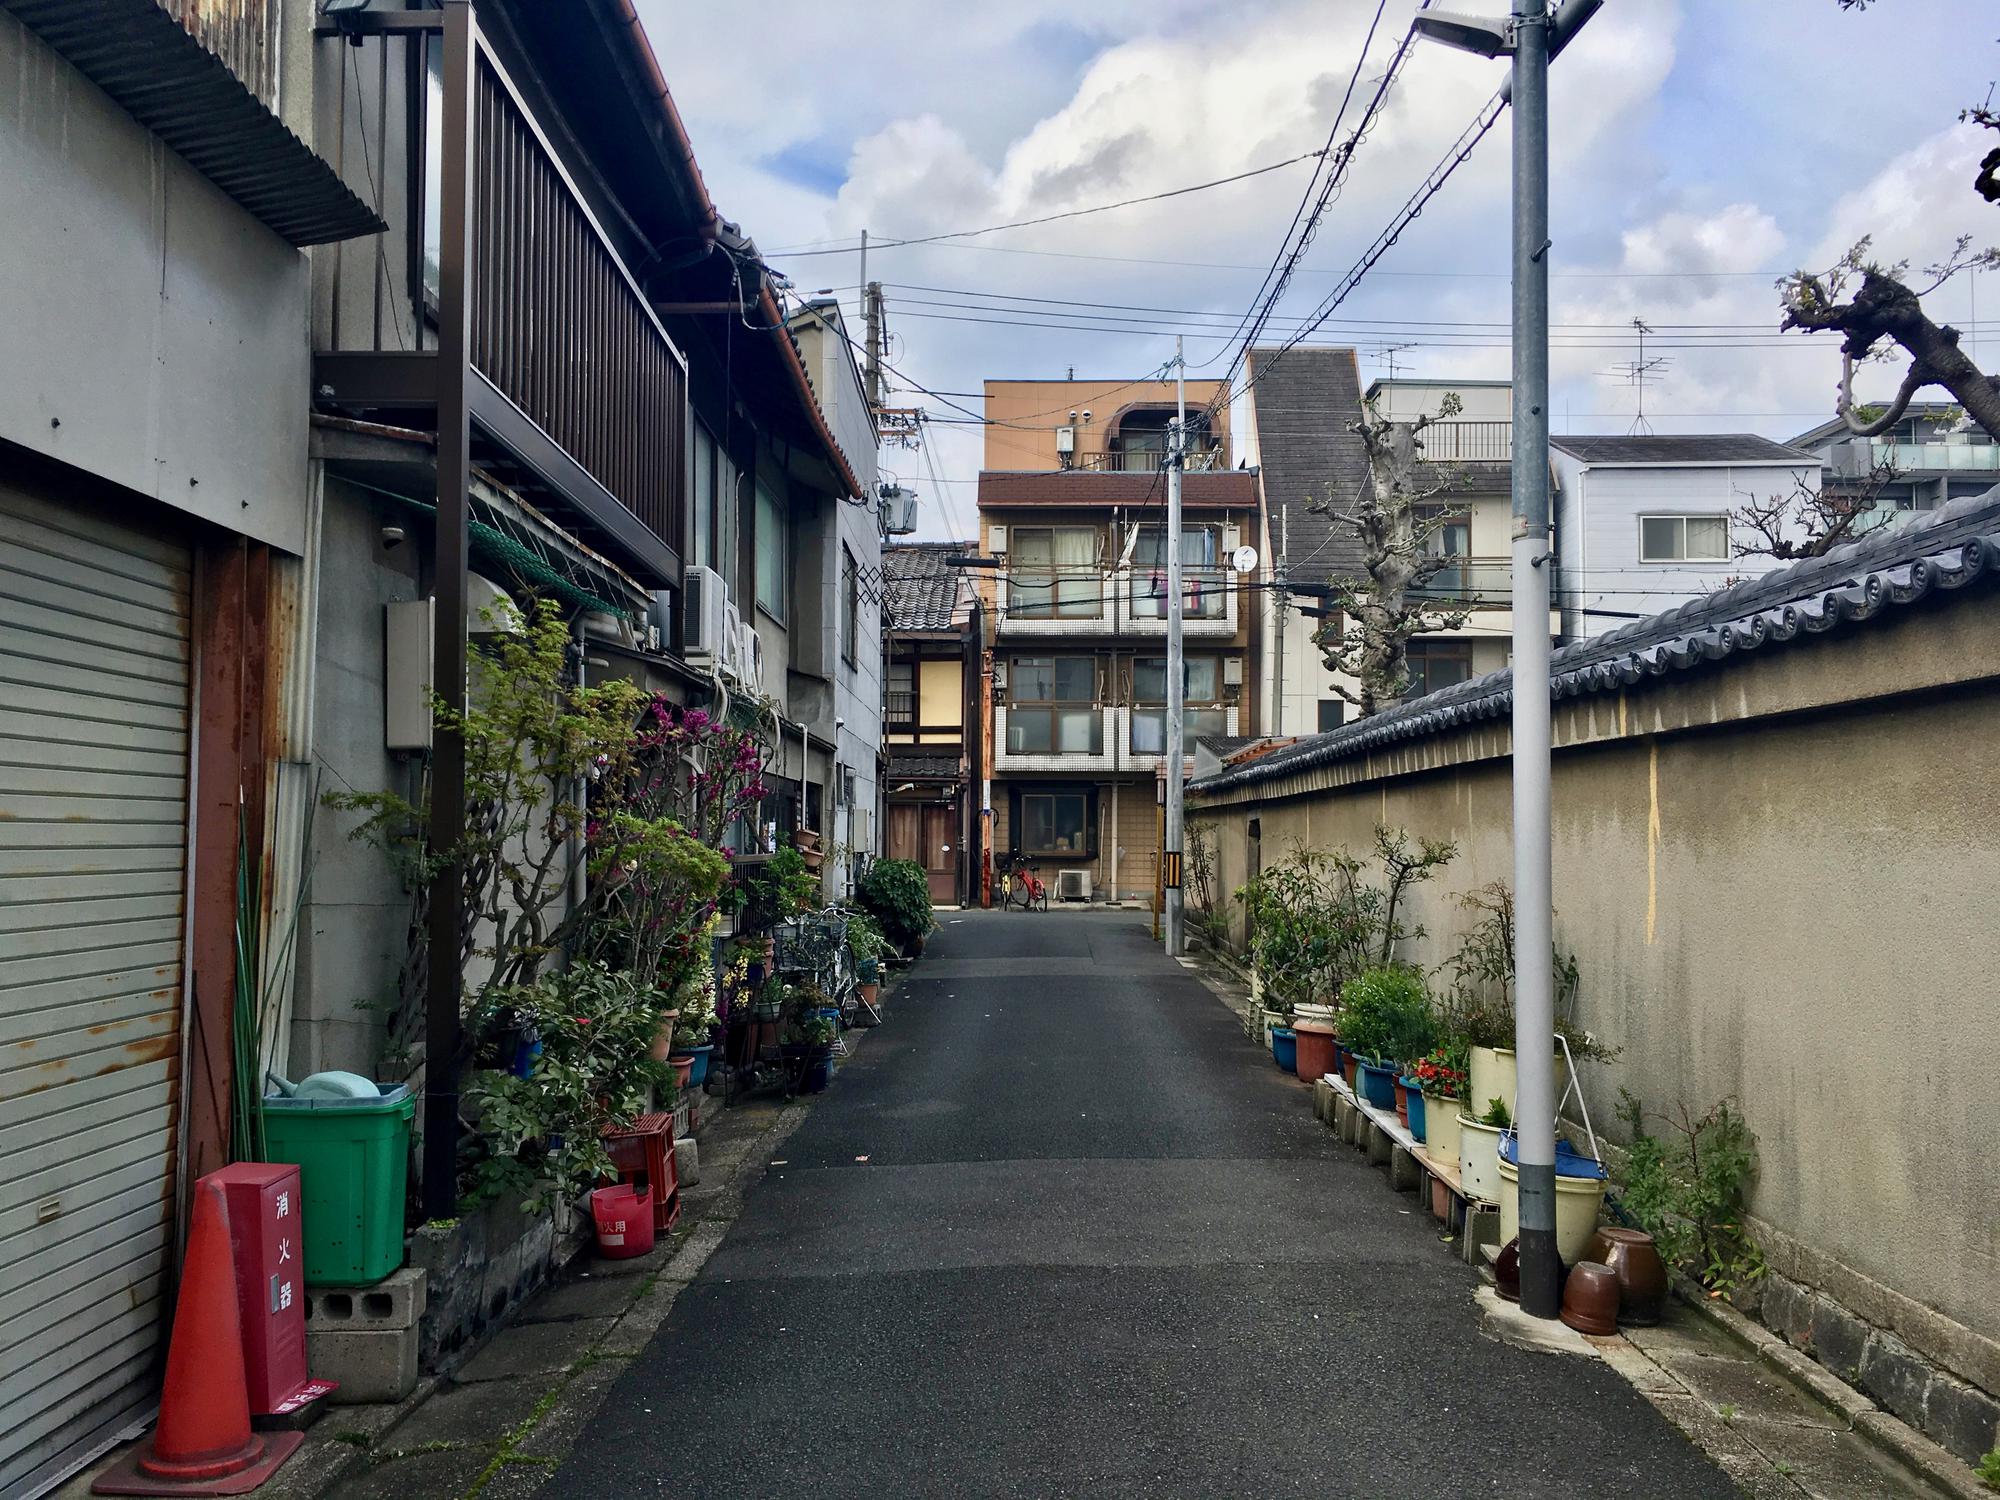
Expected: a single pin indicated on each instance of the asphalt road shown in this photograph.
(1059, 1230)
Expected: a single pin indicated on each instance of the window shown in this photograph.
(1438, 664)
(773, 551)
(1202, 711)
(1202, 583)
(1053, 574)
(1452, 537)
(1683, 539)
(1052, 706)
(901, 704)
(850, 607)
(1332, 713)
(1055, 823)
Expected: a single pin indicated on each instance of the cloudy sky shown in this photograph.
(1700, 147)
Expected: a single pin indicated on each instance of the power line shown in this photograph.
(1073, 213)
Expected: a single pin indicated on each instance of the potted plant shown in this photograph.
(1479, 1150)
(1440, 1077)
(897, 894)
(806, 841)
(869, 948)
(691, 1030)
(1385, 1016)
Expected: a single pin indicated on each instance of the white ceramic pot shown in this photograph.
(1478, 1160)
(1441, 1127)
(1320, 1013)
(1579, 1201)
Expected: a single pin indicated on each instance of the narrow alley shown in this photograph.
(1061, 1231)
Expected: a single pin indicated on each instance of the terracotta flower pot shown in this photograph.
(683, 1066)
(1402, 1101)
(1315, 1049)
(663, 1039)
(870, 992)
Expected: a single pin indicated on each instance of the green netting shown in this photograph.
(490, 544)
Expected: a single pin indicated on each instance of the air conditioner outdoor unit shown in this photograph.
(750, 658)
(730, 654)
(706, 617)
(1072, 885)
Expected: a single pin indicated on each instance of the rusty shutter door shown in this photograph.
(94, 740)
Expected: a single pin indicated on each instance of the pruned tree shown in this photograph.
(1878, 306)
(1380, 612)
(1808, 520)
(1883, 308)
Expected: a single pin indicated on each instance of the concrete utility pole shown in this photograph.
(1170, 862)
(1531, 37)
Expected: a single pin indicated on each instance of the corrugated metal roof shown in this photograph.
(1954, 547)
(1682, 448)
(1224, 489)
(174, 86)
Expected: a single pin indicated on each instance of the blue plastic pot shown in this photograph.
(698, 1073)
(1413, 1092)
(819, 1074)
(1285, 1048)
(1378, 1083)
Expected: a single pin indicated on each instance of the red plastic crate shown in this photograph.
(647, 1146)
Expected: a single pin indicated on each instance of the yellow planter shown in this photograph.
(1441, 1127)
(1579, 1200)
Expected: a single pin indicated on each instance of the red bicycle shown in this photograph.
(1022, 887)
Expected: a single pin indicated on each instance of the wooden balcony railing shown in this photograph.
(559, 326)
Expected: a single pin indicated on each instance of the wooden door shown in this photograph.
(904, 831)
(940, 853)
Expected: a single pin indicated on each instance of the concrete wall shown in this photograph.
(156, 333)
(1778, 888)
(353, 932)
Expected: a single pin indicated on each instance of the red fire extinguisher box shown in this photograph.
(268, 1247)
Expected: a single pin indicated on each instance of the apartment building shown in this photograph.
(1072, 511)
(1300, 412)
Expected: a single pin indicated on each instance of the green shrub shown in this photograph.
(1688, 1191)
(1386, 1013)
(897, 894)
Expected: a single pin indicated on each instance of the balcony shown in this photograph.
(1057, 602)
(1208, 603)
(1857, 458)
(1081, 738)
(572, 388)
(1456, 442)
(1144, 460)
(1090, 603)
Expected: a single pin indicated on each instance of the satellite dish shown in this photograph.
(1244, 559)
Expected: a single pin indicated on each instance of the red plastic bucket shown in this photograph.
(623, 1217)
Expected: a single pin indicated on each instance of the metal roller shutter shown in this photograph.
(94, 738)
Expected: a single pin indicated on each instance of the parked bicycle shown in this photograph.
(1022, 887)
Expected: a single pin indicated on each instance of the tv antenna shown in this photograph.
(1640, 373)
(1387, 353)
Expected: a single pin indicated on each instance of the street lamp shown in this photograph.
(1529, 37)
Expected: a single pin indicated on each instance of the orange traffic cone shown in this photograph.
(203, 1444)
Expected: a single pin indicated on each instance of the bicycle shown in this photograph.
(1022, 887)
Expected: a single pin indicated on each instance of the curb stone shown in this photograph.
(1890, 1434)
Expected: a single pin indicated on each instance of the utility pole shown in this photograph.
(1530, 36)
(871, 311)
(1278, 577)
(1170, 861)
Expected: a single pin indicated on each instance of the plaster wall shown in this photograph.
(156, 333)
(1771, 885)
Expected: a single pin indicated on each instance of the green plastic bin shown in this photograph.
(353, 1157)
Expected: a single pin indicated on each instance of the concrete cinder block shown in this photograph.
(687, 1162)
(376, 1364)
(397, 1301)
(1894, 1376)
(1965, 1420)
(1838, 1338)
(1482, 1228)
(1323, 1100)
(1404, 1173)
(1787, 1311)
(1379, 1144)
